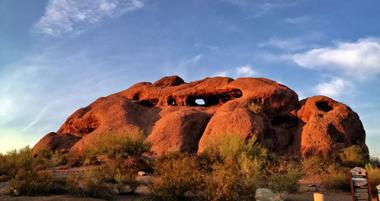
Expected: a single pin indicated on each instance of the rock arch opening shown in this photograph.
(148, 102)
(200, 101)
(324, 106)
(215, 98)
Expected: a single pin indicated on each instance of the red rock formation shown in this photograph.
(188, 117)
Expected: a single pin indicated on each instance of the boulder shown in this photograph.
(328, 126)
(177, 116)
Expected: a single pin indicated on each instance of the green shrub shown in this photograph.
(73, 159)
(374, 161)
(233, 170)
(234, 180)
(374, 177)
(224, 183)
(102, 181)
(14, 160)
(352, 156)
(90, 184)
(337, 181)
(231, 147)
(177, 174)
(113, 145)
(283, 177)
(31, 182)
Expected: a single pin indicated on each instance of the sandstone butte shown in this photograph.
(188, 117)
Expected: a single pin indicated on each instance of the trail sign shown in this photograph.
(360, 186)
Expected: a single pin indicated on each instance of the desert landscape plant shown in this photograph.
(125, 144)
(352, 156)
(374, 177)
(179, 176)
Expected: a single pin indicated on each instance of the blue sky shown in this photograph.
(59, 55)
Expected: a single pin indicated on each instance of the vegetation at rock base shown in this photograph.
(119, 145)
(233, 170)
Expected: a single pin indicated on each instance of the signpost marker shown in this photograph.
(360, 186)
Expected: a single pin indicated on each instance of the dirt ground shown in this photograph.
(292, 197)
(66, 198)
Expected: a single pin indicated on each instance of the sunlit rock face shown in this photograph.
(189, 117)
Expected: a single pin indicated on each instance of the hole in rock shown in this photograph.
(324, 106)
(172, 101)
(213, 98)
(148, 102)
(200, 101)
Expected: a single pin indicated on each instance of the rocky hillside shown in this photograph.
(188, 117)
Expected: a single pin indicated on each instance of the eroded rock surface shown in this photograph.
(188, 117)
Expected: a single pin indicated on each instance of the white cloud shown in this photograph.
(360, 59)
(65, 16)
(221, 74)
(240, 71)
(245, 71)
(334, 87)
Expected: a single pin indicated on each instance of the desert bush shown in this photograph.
(231, 147)
(177, 176)
(374, 177)
(14, 160)
(102, 181)
(352, 156)
(337, 181)
(224, 183)
(283, 177)
(314, 166)
(73, 159)
(374, 161)
(233, 170)
(90, 184)
(234, 179)
(113, 145)
(31, 182)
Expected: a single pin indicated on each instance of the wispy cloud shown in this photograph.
(360, 59)
(206, 46)
(334, 87)
(37, 118)
(260, 8)
(291, 44)
(67, 16)
(240, 71)
(298, 20)
(267, 7)
(182, 67)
